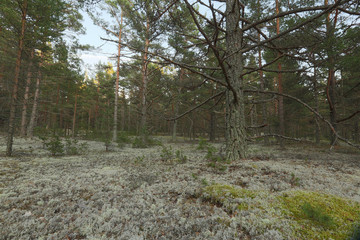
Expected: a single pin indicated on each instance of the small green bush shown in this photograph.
(72, 147)
(180, 156)
(107, 144)
(139, 159)
(166, 153)
(203, 144)
(139, 143)
(144, 142)
(215, 160)
(123, 137)
(54, 146)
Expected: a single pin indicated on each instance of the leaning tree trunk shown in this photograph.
(13, 102)
(235, 116)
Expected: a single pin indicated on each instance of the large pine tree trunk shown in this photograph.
(33, 115)
(26, 96)
(235, 116)
(13, 102)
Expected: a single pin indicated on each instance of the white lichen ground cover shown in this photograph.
(134, 194)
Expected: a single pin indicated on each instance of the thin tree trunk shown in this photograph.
(10, 136)
(262, 87)
(236, 146)
(123, 109)
(30, 129)
(316, 96)
(174, 128)
(177, 103)
(262, 84)
(26, 96)
(74, 116)
(212, 134)
(89, 121)
(54, 114)
(280, 87)
(117, 82)
(331, 82)
(144, 83)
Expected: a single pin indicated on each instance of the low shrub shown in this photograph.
(72, 147)
(54, 146)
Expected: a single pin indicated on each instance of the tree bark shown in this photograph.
(236, 146)
(10, 135)
(30, 129)
(356, 135)
(26, 96)
(117, 82)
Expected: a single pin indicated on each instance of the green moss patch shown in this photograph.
(320, 216)
(218, 191)
(296, 214)
(225, 194)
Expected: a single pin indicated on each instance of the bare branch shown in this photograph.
(328, 9)
(259, 126)
(197, 106)
(311, 109)
(281, 136)
(349, 117)
(298, 10)
(183, 65)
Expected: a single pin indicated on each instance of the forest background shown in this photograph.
(223, 70)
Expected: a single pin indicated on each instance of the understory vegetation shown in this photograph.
(177, 190)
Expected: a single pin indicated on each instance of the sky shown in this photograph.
(102, 49)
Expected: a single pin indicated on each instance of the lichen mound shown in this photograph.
(287, 215)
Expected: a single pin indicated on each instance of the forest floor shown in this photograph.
(151, 193)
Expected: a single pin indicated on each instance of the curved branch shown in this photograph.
(349, 117)
(197, 106)
(311, 109)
